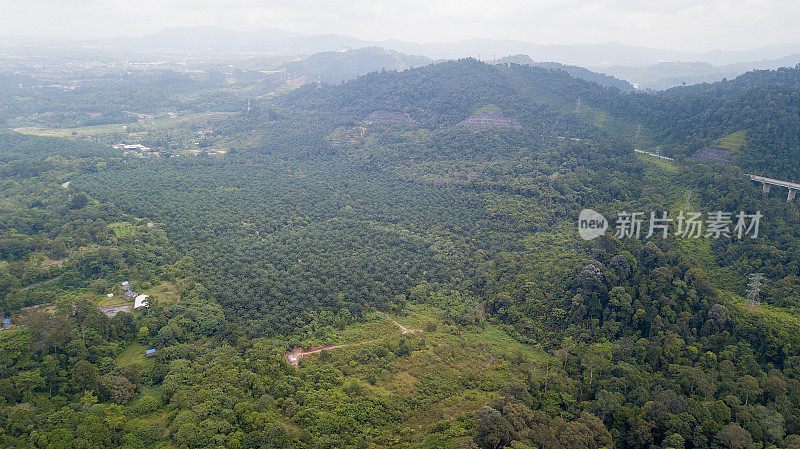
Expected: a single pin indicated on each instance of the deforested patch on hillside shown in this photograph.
(490, 117)
(386, 116)
(713, 154)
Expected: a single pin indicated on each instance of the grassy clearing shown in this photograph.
(47, 263)
(151, 390)
(660, 175)
(638, 136)
(764, 322)
(83, 131)
(487, 338)
(494, 340)
(123, 229)
(778, 316)
(417, 316)
(43, 308)
(198, 119)
(165, 292)
(158, 124)
(375, 327)
(658, 166)
(158, 419)
(733, 141)
(114, 301)
(132, 355)
(450, 370)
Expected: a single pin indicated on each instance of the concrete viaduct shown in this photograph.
(766, 183)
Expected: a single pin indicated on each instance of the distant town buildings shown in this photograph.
(136, 150)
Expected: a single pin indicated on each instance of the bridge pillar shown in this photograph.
(792, 193)
(765, 187)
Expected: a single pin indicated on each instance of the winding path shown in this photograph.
(296, 354)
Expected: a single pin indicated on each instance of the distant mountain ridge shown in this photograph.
(338, 66)
(574, 71)
(605, 54)
(665, 75)
(278, 41)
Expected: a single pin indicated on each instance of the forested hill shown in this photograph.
(576, 71)
(765, 104)
(436, 98)
(448, 92)
(761, 106)
(338, 66)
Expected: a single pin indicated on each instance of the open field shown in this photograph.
(133, 354)
(165, 291)
(84, 131)
(123, 229)
(449, 370)
(158, 124)
(733, 141)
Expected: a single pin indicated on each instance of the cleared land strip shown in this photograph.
(297, 352)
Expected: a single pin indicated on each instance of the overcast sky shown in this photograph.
(670, 24)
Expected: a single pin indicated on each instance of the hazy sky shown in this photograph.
(672, 24)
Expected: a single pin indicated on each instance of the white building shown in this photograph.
(140, 302)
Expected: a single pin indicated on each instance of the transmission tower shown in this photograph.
(578, 107)
(753, 300)
(638, 134)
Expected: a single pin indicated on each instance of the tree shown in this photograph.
(792, 442)
(83, 375)
(748, 385)
(492, 430)
(733, 436)
(117, 388)
(674, 441)
(596, 358)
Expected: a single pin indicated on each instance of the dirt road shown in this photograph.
(403, 329)
(297, 352)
